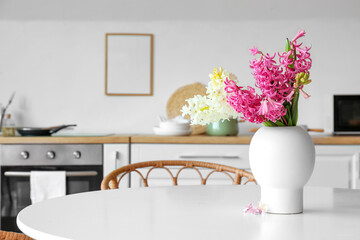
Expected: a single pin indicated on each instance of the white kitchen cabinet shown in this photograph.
(335, 166)
(116, 156)
(226, 154)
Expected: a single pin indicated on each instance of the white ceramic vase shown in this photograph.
(282, 160)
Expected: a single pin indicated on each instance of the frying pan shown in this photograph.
(29, 131)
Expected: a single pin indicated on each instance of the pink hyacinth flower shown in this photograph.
(299, 35)
(276, 81)
(244, 100)
(290, 96)
(272, 110)
(255, 51)
(305, 95)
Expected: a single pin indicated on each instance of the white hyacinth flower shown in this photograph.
(213, 106)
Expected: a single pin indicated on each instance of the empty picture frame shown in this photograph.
(129, 64)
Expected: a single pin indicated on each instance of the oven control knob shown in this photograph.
(77, 154)
(50, 155)
(25, 154)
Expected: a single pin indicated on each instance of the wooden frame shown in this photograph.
(127, 50)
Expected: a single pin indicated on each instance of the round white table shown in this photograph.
(190, 212)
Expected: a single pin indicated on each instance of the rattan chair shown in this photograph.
(112, 180)
(13, 236)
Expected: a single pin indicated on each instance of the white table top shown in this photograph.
(190, 212)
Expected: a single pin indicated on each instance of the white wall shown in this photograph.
(52, 54)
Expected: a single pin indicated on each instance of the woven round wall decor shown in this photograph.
(177, 101)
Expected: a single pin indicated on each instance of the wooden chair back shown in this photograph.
(113, 179)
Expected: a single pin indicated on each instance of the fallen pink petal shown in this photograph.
(253, 210)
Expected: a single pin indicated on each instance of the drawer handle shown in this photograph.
(68, 174)
(209, 156)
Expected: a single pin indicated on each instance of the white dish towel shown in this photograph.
(47, 184)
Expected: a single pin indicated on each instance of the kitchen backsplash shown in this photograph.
(56, 64)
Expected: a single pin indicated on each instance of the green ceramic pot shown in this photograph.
(223, 128)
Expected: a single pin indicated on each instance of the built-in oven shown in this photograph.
(83, 164)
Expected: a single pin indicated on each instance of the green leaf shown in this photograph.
(290, 121)
(287, 49)
(269, 124)
(306, 82)
(280, 123)
(287, 45)
(288, 116)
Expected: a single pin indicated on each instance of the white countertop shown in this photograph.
(190, 212)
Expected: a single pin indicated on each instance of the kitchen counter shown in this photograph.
(245, 139)
(196, 139)
(66, 139)
(199, 139)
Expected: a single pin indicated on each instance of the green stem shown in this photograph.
(294, 53)
(288, 114)
(294, 107)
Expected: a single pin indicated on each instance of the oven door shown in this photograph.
(15, 187)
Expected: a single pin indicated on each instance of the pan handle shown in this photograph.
(54, 130)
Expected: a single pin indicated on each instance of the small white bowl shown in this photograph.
(171, 132)
(174, 125)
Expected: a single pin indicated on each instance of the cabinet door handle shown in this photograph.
(209, 156)
(355, 171)
(117, 158)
